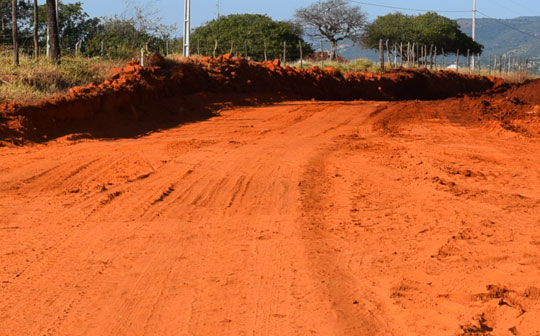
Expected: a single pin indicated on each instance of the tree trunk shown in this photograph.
(54, 39)
(14, 29)
(36, 26)
(334, 51)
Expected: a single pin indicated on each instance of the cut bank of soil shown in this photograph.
(134, 93)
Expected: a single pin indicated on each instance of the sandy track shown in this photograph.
(294, 219)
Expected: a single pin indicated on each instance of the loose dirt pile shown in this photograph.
(516, 109)
(130, 89)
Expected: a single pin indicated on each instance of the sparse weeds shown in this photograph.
(357, 65)
(31, 80)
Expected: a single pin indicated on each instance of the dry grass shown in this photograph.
(357, 65)
(32, 81)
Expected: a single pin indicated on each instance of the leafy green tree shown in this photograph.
(427, 29)
(124, 38)
(74, 25)
(251, 32)
(24, 12)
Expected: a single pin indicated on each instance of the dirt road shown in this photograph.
(300, 218)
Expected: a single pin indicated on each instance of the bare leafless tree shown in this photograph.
(54, 39)
(15, 30)
(334, 20)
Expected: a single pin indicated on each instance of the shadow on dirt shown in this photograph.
(132, 122)
(137, 100)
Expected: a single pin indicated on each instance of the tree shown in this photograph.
(14, 30)
(426, 29)
(124, 36)
(247, 35)
(74, 24)
(334, 20)
(36, 30)
(54, 40)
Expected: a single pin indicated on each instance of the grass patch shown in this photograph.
(32, 81)
(357, 65)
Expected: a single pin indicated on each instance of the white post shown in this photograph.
(48, 41)
(187, 26)
(474, 27)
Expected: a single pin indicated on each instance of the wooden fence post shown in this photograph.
(443, 63)
(425, 56)
(301, 55)
(408, 54)
(435, 57)
(381, 55)
(401, 55)
(431, 57)
(469, 60)
(418, 55)
(322, 56)
(457, 60)
(284, 52)
(395, 55)
(388, 54)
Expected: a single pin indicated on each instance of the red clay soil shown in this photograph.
(416, 217)
(122, 99)
(299, 218)
(516, 109)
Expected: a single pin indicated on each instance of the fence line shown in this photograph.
(423, 56)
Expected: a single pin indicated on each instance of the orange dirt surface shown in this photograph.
(221, 210)
(299, 218)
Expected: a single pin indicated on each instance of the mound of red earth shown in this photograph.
(516, 109)
(135, 90)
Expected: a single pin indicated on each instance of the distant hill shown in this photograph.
(496, 36)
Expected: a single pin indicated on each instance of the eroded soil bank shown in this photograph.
(120, 104)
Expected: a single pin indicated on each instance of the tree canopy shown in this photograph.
(426, 29)
(253, 31)
(334, 20)
(122, 37)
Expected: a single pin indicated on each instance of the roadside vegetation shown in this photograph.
(91, 47)
(360, 65)
(32, 81)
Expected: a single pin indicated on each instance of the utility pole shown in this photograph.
(474, 28)
(187, 26)
(218, 10)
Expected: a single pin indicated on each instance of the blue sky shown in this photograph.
(204, 10)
